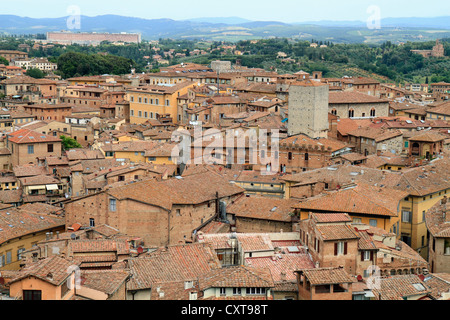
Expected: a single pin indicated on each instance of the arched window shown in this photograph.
(351, 113)
(334, 111)
(372, 112)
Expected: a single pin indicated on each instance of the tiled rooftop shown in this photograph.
(174, 263)
(322, 276)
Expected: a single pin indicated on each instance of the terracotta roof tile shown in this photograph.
(301, 139)
(172, 264)
(336, 232)
(400, 286)
(237, 276)
(437, 219)
(249, 242)
(119, 246)
(362, 199)
(193, 189)
(283, 266)
(262, 208)
(377, 134)
(345, 97)
(321, 276)
(15, 222)
(438, 284)
(53, 270)
(107, 281)
(29, 136)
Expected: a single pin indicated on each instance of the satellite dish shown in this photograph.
(73, 236)
(421, 277)
(140, 250)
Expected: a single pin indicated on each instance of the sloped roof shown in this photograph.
(192, 189)
(362, 199)
(29, 136)
(302, 139)
(344, 97)
(435, 221)
(15, 223)
(428, 137)
(399, 286)
(237, 276)
(321, 276)
(174, 263)
(107, 281)
(262, 208)
(52, 270)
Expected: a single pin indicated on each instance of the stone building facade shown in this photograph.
(308, 109)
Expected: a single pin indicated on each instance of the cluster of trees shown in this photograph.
(73, 64)
(69, 143)
(4, 61)
(393, 61)
(396, 62)
(35, 73)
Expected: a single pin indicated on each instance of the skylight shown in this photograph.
(419, 287)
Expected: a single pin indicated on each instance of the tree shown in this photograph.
(35, 73)
(4, 61)
(69, 143)
(72, 63)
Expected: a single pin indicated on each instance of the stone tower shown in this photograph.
(308, 109)
(438, 50)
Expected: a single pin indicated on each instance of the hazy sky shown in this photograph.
(284, 10)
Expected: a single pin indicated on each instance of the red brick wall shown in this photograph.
(149, 222)
(316, 159)
(248, 225)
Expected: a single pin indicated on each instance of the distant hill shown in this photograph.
(235, 28)
(224, 20)
(413, 22)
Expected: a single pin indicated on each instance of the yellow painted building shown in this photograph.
(258, 184)
(135, 151)
(152, 101)
(161, 154)
(126, 138)
(9, 182)
(414, 229)
(374, 206)
(20, 230)
(392, 167)
(426, 186)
